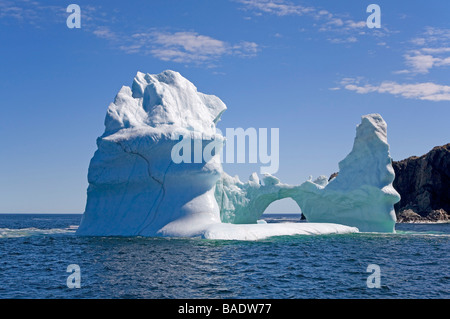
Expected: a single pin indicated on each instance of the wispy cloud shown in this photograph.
(436, 50)
(338, 24)
(423, 63)
(193, 47)
(277, 7)
(40, 14)
(180, 47)
(422, 91)
(186, 47)
(432, 36)
(343, 40)
(30, 12)
(341, 28)
(432, 51)
(105, 33)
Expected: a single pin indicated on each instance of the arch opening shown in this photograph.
(285, 207)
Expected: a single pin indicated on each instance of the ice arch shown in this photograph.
(361, 195)
(244, 203)
(282, 206)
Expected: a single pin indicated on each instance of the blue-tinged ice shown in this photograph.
(136, 188)
(361, 195)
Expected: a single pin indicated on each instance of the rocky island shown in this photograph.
(424, 186)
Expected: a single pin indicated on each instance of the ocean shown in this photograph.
(36, 250)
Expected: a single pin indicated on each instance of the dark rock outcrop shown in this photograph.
(409, 216)
(333, 176)
(424, 186)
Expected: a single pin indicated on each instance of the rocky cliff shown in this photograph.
(424, 185)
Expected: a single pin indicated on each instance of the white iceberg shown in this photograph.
(136, 189)
(361, 195)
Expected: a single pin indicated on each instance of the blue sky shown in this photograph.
(309, 68)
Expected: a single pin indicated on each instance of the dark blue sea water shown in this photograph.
(35, 251)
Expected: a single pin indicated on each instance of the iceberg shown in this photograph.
(244, 203)
(137, 189)
(362, 194)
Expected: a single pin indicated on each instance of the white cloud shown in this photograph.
(433, 40)
(245, 49)
(336, 22)
(183, 47)
(31, 12)
(277, 7)
(324, 12)
(404, 71)
(422, 91)
(432, 51)
(190, 42)
(40, 14)
(176, 55)
(418, 41)
(433, 34)
(342, 26)
(343, 40)
(130, 49)
(105, 33)
(187, 47)
(420, 63)
(436, 50)
(356, 25)
(344, 30)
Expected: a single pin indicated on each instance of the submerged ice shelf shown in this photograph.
(227, 231)
(136, 189)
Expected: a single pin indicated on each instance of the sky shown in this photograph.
(309, 68)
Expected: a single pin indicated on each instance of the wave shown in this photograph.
(70, 230)
(408, 233)
(26, 232)
(418, 233)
